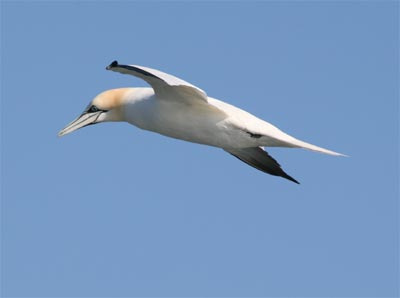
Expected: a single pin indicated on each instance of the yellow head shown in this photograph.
(107, 106)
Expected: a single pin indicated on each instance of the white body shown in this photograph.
(216, 124)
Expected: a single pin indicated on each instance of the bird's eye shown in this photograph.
(93, 109)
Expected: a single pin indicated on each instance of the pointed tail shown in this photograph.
(312, 147)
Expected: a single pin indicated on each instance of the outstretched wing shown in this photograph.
(261, 160)
(165, 85)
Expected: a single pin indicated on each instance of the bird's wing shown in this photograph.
(164, 84)
(261, 160)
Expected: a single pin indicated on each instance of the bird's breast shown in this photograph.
(198, 123)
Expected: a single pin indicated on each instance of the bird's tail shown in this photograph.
(305, 145)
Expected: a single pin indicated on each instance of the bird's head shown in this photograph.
(107, 106)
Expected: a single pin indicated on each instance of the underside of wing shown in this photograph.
(163, 84)
(261, 160)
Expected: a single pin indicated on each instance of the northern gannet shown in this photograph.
(175, 108)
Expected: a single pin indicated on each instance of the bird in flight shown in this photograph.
(177, 109)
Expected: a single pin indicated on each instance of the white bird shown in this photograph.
(175, 108)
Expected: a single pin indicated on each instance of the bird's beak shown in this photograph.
(83, 120)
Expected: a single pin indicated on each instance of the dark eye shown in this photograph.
(93, 109)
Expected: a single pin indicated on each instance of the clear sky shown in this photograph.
(112, 210)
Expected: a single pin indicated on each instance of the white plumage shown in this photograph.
(177, 109)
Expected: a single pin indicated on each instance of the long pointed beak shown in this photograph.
(83, 120)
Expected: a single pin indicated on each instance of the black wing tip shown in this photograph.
(290, 178)
(113, 64)
(259, 159)
(286, 176)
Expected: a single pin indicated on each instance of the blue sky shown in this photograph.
(112, 210)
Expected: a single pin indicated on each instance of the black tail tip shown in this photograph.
(113, 64)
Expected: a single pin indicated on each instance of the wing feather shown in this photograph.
(261, 160)
(163, 84)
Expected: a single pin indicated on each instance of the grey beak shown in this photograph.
(83, 120)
